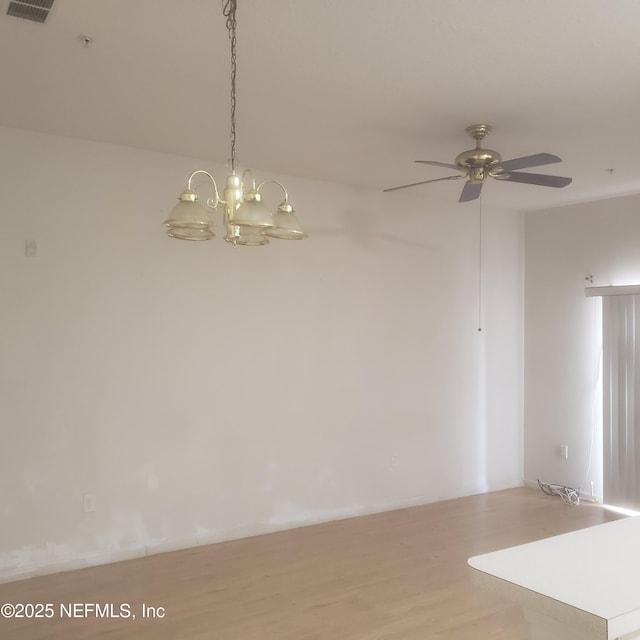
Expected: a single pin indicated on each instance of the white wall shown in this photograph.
(205, 393)
(563, 338)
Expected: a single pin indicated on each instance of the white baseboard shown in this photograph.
(91, 559)
(59, 565)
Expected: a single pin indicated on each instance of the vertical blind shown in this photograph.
(621, 394)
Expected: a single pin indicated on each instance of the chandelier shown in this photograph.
(246, 218)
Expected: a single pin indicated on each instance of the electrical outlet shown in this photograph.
(88, 502)
(30, 248)
(564, 451)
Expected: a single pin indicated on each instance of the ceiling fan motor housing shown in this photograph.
(476, 162)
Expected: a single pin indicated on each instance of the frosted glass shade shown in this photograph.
(286, 224)
(253, 213)
(189, 220)
(184, 233)
(250, 237)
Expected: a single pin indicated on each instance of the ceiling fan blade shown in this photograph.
(470, 191)
(525, 162)
(440, 164)
(539, 179)
(415, 184)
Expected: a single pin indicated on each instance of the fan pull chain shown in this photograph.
(480, 268)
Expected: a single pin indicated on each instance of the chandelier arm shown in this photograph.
(215, 186)
(286, 195)
(253, 180)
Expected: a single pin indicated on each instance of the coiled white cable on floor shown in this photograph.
(569, 495)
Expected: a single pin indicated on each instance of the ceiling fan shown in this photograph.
(476, 164)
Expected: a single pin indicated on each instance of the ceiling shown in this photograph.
(350, 91)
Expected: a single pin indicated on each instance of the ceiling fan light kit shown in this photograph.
(478, 164)
(246, 219)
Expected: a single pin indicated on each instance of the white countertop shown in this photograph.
(596, 570)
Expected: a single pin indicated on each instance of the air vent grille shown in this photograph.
(35, 10)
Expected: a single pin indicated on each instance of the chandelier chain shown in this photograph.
(229, 12)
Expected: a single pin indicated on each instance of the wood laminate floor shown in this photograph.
(399, 575)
